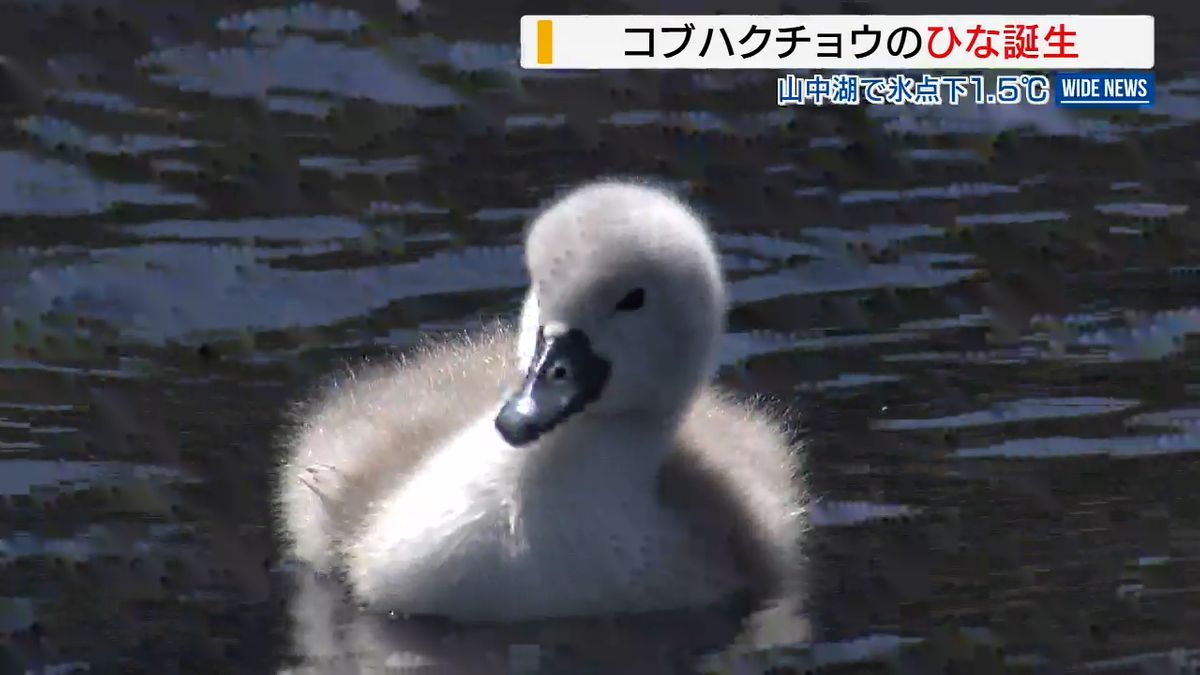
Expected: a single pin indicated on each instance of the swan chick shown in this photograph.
(581, 466)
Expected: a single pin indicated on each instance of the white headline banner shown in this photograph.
(839, 42)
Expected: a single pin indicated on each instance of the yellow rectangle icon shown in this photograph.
(545, 42)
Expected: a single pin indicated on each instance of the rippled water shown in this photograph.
(983, 316)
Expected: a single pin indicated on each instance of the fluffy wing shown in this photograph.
(366, 430)
(737, 477)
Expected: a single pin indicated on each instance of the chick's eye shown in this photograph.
(633, 300)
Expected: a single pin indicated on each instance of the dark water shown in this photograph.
(984, 317)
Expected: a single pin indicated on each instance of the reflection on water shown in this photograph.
(336, 637)
(47, 187)
(1014, 411)
(982, 317)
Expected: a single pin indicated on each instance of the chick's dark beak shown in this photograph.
(563, 378)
